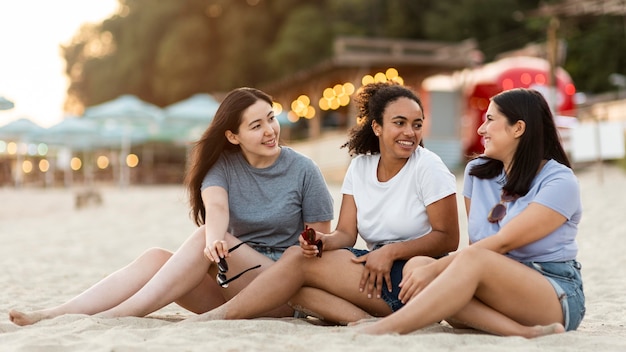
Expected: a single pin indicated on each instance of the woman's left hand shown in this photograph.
(415, 281)
(376, 269)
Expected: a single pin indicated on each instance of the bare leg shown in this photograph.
(185, 271)
(105, 294)
(184, 280)
(477, 315)
(331, 308)
(294, 271)
(497, 281)
(327, 307)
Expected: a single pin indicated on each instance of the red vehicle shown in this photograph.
(478, 85)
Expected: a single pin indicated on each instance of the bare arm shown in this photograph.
(216, 222)
(322, 226)
(444, 237)
(534, 223)
(345, 233)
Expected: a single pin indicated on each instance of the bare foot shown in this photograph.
(543, 330)
(23, 319)
(363, 322)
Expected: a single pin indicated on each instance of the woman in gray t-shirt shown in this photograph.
(243, 186)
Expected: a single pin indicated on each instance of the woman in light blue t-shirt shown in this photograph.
(519, 275)
(249, 196)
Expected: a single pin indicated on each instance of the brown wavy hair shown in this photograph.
(539, 141)
(207, 150)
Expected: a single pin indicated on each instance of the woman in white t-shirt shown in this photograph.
(519, 276)
(397, 195)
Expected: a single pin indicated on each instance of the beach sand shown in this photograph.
(50, 251)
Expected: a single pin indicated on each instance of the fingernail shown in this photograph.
(369, 295)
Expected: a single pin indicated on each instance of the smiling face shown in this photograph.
(501, 139)
(401, 131)
(258, 135)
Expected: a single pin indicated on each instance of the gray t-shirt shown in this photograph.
(269, 206)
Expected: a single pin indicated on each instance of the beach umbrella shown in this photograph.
(183, 119)
(19, 131)
(6, 104)
(71, 132)
(134, 116)
(126, 110)
(197, 109)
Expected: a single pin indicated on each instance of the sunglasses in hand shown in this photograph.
(309, 236)
(222, 267)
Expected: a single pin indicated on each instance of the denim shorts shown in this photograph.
(391, 298)
(274, 253)
(566, 279)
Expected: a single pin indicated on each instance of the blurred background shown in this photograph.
(145, 82)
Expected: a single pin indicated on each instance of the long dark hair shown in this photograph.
(372, 100)
(213, 142)
(539, 141)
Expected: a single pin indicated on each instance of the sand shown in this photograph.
(50, 251)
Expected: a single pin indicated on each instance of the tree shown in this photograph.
(165, 51)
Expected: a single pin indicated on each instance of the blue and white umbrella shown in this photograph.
(134, 116)
(6, 104)
(185, 118)
(19, 131)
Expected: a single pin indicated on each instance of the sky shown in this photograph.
(31, 67)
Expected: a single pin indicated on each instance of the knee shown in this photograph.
(416, 262)
(292, 258)
(471, 255)
(293, 253)
(200, 231)
(156, 256)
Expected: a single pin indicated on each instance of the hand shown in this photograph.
(414, 281)
(376, 269)
(311, 245)
(218, 249)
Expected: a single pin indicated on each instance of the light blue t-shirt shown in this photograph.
(269, 206)
(555, 187)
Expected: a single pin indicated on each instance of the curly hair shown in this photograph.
(372, 100)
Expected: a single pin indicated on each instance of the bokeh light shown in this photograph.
(76, 164)
(44, 165)
(278, 108)
(12, 148)
(301, 107)
(102, 162)
(27, 166)
(337, 96)
(132, 160)
(42, 149)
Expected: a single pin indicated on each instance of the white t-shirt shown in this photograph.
(395, 211)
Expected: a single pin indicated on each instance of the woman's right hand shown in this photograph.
(311, 250)
(216, 250)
